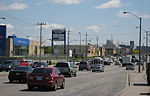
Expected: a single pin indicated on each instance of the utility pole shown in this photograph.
(80, 44)
(40, 24)
(140, 45)
(97, 45)
(68, 45)
(86, 45)
(146, 46)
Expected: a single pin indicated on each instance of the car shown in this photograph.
(84, 65)
(48, 77)
(19, 73)
(23, 63)
(98, 67)
(67, 68)
(39, 64)
(130, 66)
(117, 62)
(7, 65)
(106, 62)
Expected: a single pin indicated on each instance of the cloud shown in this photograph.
(14, 6)
(111, 4)
(66, 2)
(52, 26)
(40, 3)
(95, 28)
(9, 26)
(146, 16)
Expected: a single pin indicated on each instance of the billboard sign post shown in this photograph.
(59, 35)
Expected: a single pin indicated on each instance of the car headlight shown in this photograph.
(9, 66)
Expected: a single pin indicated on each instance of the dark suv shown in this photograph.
(67, 68)
(85, 65)
(7, 65)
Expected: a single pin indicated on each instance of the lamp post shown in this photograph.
(140, 20)
(80, 44)
(146, 45)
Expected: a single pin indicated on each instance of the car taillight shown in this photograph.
(30, 77)
(49, 78)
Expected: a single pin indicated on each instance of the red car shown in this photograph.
(48, 77)
(23, 63)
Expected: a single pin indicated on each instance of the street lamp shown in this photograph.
(140, 19)
(80, 43)
(2, 18)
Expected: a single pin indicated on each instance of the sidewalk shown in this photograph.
(138, 85)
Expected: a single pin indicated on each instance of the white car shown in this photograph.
(98, 67)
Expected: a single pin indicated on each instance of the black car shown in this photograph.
(19, 73)
(84, 65)
(40, 64)
(7, 65)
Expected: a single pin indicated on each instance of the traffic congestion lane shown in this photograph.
(74, 85)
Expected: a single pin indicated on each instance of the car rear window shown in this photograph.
(62, 65)
(7, 62)
(42, 70)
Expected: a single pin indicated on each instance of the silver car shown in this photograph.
(98, 67)
(130, 66)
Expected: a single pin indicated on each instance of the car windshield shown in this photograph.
(21, 68)
(62, 65)
(42, 70)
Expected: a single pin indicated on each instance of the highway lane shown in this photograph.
(107, 83)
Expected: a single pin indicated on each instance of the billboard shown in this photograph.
(58, 34)
(2, 40)
(21, 41)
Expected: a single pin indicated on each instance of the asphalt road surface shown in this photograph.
(107, 83)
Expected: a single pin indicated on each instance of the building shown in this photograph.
(111, 48)
(19, 47)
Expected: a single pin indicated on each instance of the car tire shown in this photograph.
(30, 88)
(63, 85)
(0, 70)
(55, 87)
(75, 74)
(70, 74)
(10, 81)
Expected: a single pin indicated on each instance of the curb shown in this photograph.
(3, 74)
(127, 82)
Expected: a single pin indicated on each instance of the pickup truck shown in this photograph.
(67, 68)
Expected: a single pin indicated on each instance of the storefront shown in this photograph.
(20, 46)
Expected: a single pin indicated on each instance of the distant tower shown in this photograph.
(131, 46)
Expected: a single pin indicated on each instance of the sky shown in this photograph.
(98, 18)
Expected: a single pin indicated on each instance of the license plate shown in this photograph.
(17, 73)
(39, 77)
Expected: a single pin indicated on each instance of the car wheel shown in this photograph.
(55, 87)
(75, 74)
(63, 85)
(70, 74)
(93, 71)
(0, 70)
(10, 81)
(30, 87)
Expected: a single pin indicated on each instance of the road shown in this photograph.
(107, 83)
